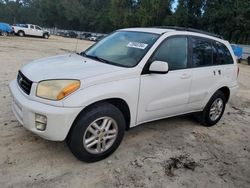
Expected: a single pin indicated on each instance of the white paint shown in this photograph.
(149, 96)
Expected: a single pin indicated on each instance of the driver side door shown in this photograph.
(39, 31)
(163, 95)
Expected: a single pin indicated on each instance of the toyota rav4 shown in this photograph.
(132, 76)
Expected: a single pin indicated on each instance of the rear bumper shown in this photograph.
(59, 119)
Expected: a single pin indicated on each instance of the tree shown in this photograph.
(229, 18)
(189, 13)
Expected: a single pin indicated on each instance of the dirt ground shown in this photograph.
(175, 152)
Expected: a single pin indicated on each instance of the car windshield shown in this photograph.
(122, 48)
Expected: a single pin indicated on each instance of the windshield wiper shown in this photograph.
(95, 58)
(100, 59)
(82, 54)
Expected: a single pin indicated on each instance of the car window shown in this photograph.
(216, 60)
(174, 52)
(224, 54)
(31, 27)
(202, 52)
(123, 48)
(38, 28)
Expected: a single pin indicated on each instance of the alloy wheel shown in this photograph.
(216, 109)
(100, 135)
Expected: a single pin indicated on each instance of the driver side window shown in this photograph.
(38, 28)
(174, 52)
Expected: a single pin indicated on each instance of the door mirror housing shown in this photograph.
(159, 67)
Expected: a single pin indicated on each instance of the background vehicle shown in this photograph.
(133, 76)
(71, 34)
(94, 38)
(238, 52)
(5, 29)
(84, 36)
(245, 52)
(30, 30)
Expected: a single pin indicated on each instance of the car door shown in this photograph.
(32, 30)
(228, 68)
(206, 75)
(163, 95)
(38, 31)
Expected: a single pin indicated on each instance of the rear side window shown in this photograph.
(202, 52)
(224, 55)
(174, 52)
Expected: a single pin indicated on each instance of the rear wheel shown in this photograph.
(214, 109)
(21, 33)
(97, 133)
(248, 60)
(5, 34)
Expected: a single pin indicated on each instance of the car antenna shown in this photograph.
(76, 45)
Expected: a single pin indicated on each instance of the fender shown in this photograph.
(127, 90)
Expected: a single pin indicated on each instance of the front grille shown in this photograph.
(24, 83)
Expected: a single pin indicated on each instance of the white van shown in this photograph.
(132, 76)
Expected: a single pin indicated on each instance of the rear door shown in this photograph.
(207, 73)
(228, 69)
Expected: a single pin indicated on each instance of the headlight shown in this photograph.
(56, 89)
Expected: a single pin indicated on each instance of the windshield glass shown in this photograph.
(122, 48)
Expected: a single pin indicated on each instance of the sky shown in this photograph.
(174, 5)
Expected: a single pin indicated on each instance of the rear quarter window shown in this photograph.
(223, 54)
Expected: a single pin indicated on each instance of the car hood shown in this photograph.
(69, 66)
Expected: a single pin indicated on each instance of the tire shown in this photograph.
(83, 129)
(46, 36)
(248, 60)
(239, 60)
(207, 118)
(5, 34)
(21, 34)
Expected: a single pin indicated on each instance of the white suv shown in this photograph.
(130, 77)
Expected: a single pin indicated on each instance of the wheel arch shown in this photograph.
(117, 102)
(226, 91)
(20, 31)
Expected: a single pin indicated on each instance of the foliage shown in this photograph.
(229, 18)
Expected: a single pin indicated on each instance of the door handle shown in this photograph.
(185, 76)
(217, 71)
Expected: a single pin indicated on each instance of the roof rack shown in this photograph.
(189, 29)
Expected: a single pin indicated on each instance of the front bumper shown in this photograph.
(59, 119)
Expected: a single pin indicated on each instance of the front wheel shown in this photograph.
(214, 109)
(97, 133)
(248, 60)
(46, 36)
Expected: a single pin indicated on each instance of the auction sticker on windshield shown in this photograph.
(137, 45)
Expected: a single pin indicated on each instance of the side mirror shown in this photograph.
(158, 67)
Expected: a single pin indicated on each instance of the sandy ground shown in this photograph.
(175, 152)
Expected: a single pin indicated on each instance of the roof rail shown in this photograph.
(189, 29)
